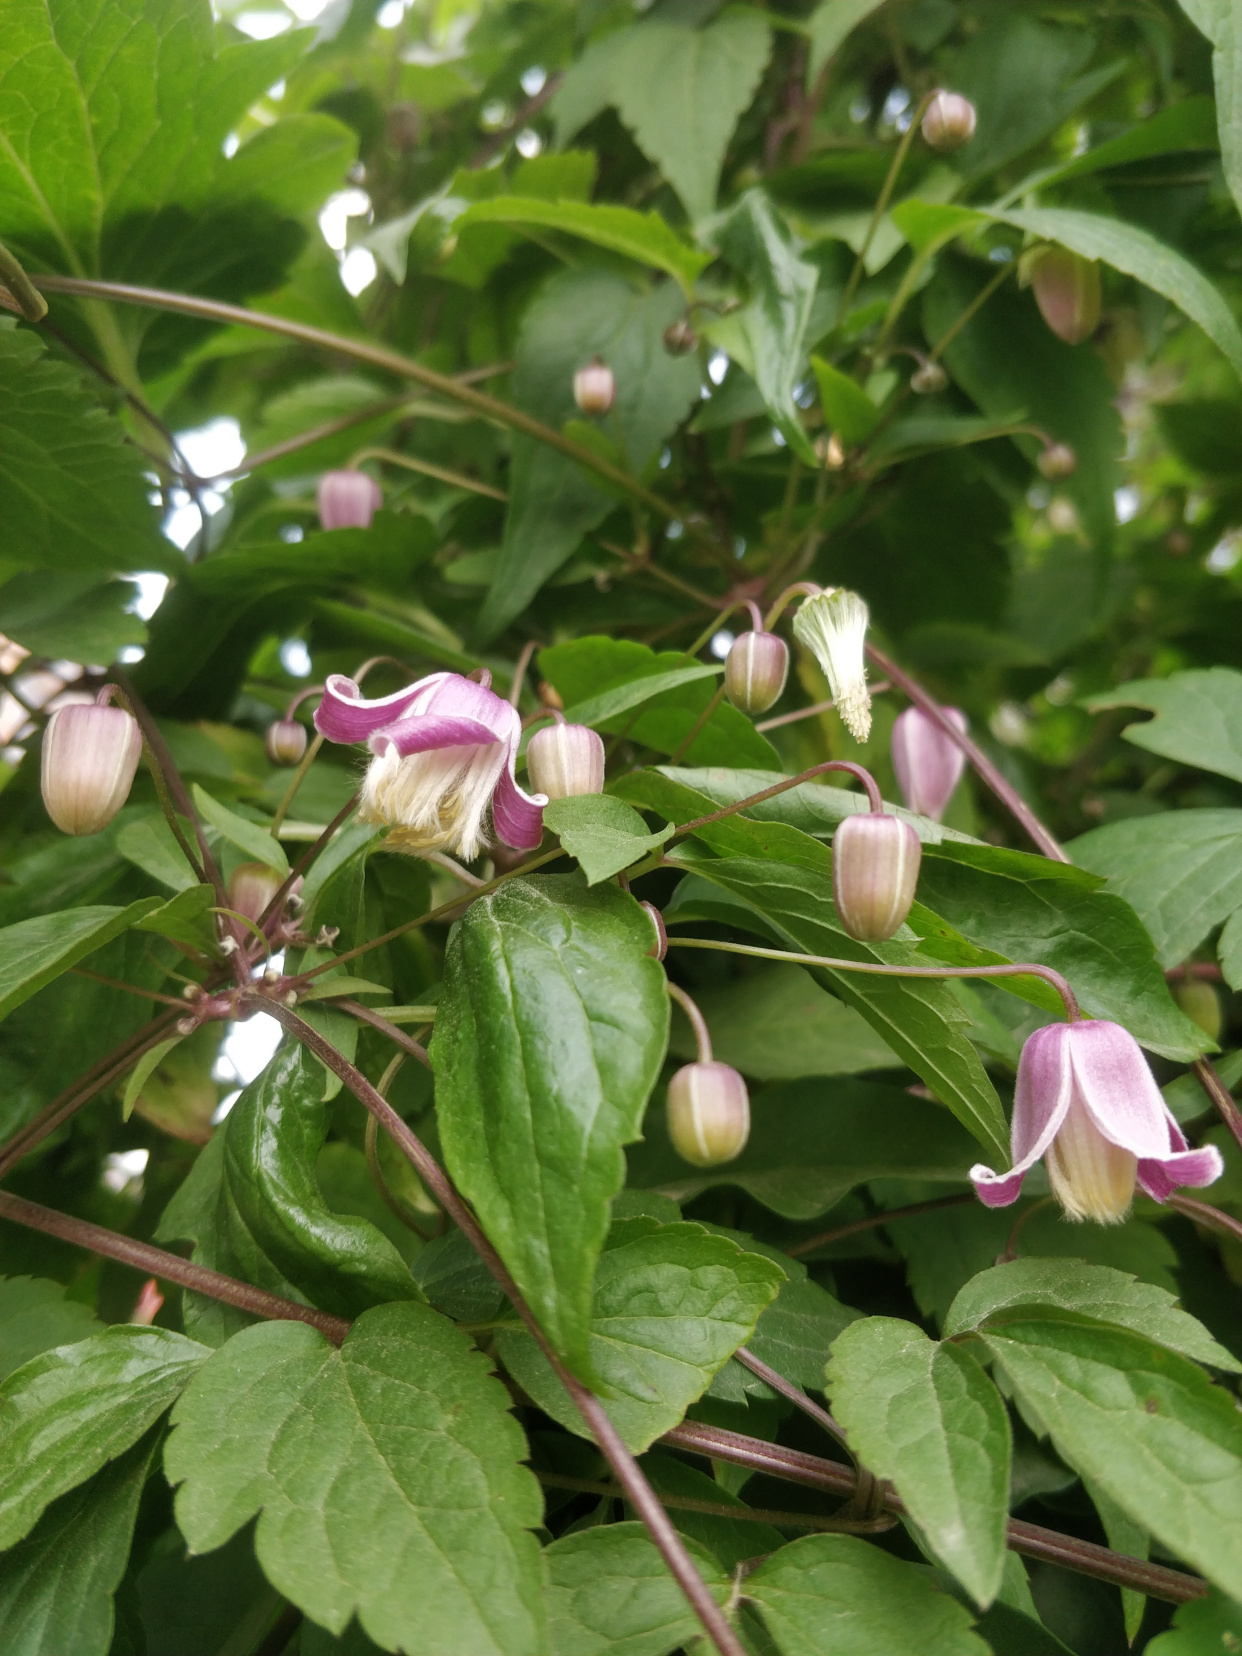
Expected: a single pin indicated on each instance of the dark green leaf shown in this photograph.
(828, 25)
(730, 1540)
(1218, 20)
(610, 1594)
(848, 409)
(247, 836)
(644, 237)
(76, 618)
(792, 1336)
(34, 952)
(1189, 124)
(603, 833)
(35, 1316)
(456, 1281)
(1198, 717)
(1204, 1627)
(186, 918)
(623, 698)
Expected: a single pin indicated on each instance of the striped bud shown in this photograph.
(708, 1113)
(252, 887)
(565, 759)
(285, 741)
(875, 868)
(755, 671)
(90, 755)
(595, 388)
(1056, 461)
(1067, 291)
(348, 500)
(949, 122)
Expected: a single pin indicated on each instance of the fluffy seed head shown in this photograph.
(708, 1113)
(755, 671)
(875, 869)
(833, 626)
(348, 500)
(1067, 291)
(949, 122)
(285, 741)
(595, 388)
(90, 755)
(565, 759)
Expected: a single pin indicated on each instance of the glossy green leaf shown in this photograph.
(35, 1316)
(623, 698)
(1218, 20)
(671, 1305)
(186, 918)
(829, 25)
(148, 844)
(848, 409)
(1229, 950)
(644, 237)
(75, 618)
(792, 1336)
(603, 833)
(141, 1072)
(610, 1594)
(34, 952)
(533, 1114)
(66, 1412)
(1189, 124)
(247, 836)
(392, 1461)
(1204, 1627)
(1198, 717)
(1144, 1424)
(837, 1593)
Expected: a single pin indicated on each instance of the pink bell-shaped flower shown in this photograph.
(1087, 1102)
(563, 760)
(348, 500)
(928, 763)
(444, 752)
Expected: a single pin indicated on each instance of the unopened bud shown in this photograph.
(1067, 291)
(949, 122)
(833, 626)
(90, 755)
(595, 388)
(829, 451)
(755, 671)
(252, 887)
(285, 741)
(680, 338)
(565, 759)
(660, 947)
(929, 763)
(708, 1113)
(147, 1306)
(875, 868)
(1057, 460)
(348, 500)
(927, 379)
(551, 697)
(1201, 1004)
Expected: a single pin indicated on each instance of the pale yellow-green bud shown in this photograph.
(708, 1113)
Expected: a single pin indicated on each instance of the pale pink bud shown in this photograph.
(680, 337)
(875, 868)
(949, 122)
(1056, 460)
(348, 500)
(927, 379)
(147, 1306)
(928, 763)
(708, 1113)
(90, 755)
(285, 741)
(565, 759)
(252, 887)
(595, 388)
(1067, 291)
(755, 671)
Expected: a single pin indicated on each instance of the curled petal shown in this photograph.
(1182, 1166)
(1119, 1090)
(422, 732)
(1041, 1104)
(345, 714)
(517, 816)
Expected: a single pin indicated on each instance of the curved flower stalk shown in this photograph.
(444, 752)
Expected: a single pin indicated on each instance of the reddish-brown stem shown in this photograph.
(1203, 971)
(305, 860)
(717, 1509)
(864, 776)
(1211, 1218)
(776, 609)
(876, 1219)
(364, 1014)
(794, 1394)
(128, 988)
(698, 1023)
(873, 690)
(169, 1267)
(519, 671)
(1220, 1095)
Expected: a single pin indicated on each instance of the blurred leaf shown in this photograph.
(185, 918)
(1204, 1627)
(603, 833)
(1219, 21)
(828, 25)
(1189, 124)
(1206, 432)
(35, 1316)
(623, 698)
(848, 409)
(610, 1594)
(1198, 717)
(34, 952)
(247, 836)
(141, 1071)
(77, 618)
(644, 237)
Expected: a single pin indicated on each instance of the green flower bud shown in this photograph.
(90, 754)
(1201, 1004)
(755, 671)
(708, 1113)
(565, 759)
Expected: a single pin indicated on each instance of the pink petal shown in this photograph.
(423, 731)
(1160, 1178)
(345, 715)
(517, 816)
(1041, 1103)
(1118, 1088)
(461, 697)
(928, 763)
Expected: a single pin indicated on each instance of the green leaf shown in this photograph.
(829, 25)
(34, 952)
(730, 1540)
(834, 1592)
(603, 833)
(644, 237)
(186, 918)
(1181, 872)
(610, 1594)
(548, 1040)
(141, 1073)
(792, 1336)
(148, 843)
(56, 1586)
(923, 1415)
(1144, 1424)
(75, 618)
(1198, 717)
(66, 1412)
(1218, 20)
(35, 1316)
(1093, 1291)
(250, 837)
(848, 409)
(623, 698)
(1124, 1536)
(1229, 950)
(811, 1142)
(1204, 1627)
(390, 1462)
(456, 1281)
(1189, 124)
(671, 1305)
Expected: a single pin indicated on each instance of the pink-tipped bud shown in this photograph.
(755, 671)
(1201, 1004)
(252, 887)
(949, 122)
(90, 755)
(565, 759)
(1067, 291)
(659, 948)
(927, 379)
(875, 868)
(680, 338)
(928, 763)
(1057, 460)
(285, 741)
(348, 500)
(147, 1306)
(595, 388)
(708, 1113)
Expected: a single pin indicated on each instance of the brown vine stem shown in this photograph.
(127, 988)
(1220, 1095)
(389, 362)
(364, 1014)
(625, 1468)
(426, 468)
(168, 1266)
(874, 1220)
(1030, 1540)
(716, 1509)
(1211, 1218)
(794, 1394)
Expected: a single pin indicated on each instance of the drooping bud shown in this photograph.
(928, 379)
(1067, 291)
(147, 1306)
(755, 671)
(595, 388)
(348, 500)
(285, 741)
(928, 763)
(679, 337)
(708, 1113)
(1201, 1004)
(875, 868)
(565, 759)
(833, 626)
(90, 755)
(252, 887)
(659, 948)
(949, 122)
(1056, 460)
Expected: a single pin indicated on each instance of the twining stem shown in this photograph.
(364, 1014)
(880, 969)
(1211, 1218)
(881, 205)
(716, 1509)
(794, 1394)
(127, 988)
(1220, 1095)
(698, 1023)
(442, 473)
(876, 1219)
(864, 776)
(295, 782)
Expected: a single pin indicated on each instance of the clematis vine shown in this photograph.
(443, 755)
(1088, 1104)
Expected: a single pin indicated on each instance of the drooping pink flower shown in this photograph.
(348, 500)
(929, 764)
(444, 751)
(1087, 1102)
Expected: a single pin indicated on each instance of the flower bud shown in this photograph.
(348, 500)
(90, 755)
(595, 388)
(1057, 460)
(679, 337)
(147, 1306)
(927, 379)
(755, 671)
(708, 1113)
(949, 122)
(565, 759)
(285, 741)
(928, 763)
(1067, 291)
(833, 626)
(1201, 1004)
(659, 948)
(252, 887)
(829, 452)
(875, 868)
